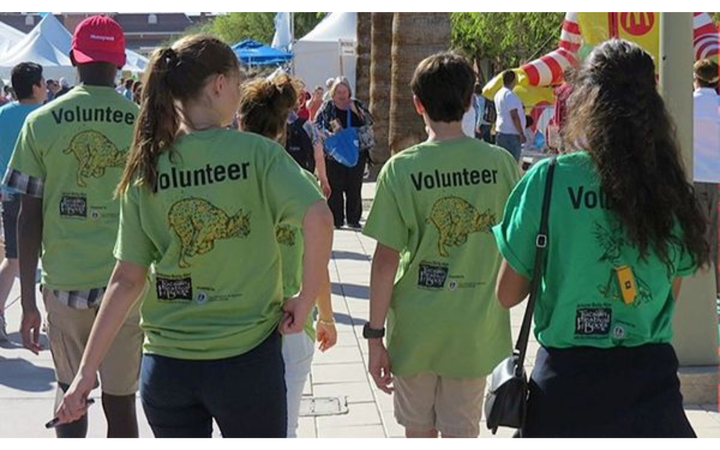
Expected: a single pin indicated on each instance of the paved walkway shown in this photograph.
(27, 388)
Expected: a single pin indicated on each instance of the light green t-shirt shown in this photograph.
(209, 234)
(291, 254)
(435, 204)
(581, 302)
(76, 148)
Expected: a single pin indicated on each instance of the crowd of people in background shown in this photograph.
(225, 204)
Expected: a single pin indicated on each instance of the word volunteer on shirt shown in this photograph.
(79, 114)
(203, 176)
(465, 177)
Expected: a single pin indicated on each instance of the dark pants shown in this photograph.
(346, 185)
(10, 211)
(511, 143)
(485, 134)
(244, 394)
(707, 194)
(620, 392)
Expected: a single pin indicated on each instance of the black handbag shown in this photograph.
(506, 401)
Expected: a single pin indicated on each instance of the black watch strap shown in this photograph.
(373, 333)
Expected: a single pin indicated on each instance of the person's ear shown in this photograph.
(219, 84)
(419, 108)
(72, 59)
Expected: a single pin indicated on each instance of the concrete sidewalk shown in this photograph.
(27, 388)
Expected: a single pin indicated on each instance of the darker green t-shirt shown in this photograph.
(581, 302)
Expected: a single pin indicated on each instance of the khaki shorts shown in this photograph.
(68, 333)
(452, 406)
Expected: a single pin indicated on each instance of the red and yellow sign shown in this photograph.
(643, 28)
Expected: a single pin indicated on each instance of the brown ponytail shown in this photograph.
(175, 75)
(265, 105)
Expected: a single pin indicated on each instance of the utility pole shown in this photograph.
(695, 323)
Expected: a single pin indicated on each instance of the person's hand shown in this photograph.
(522, 139)
(74, 404)
(379, 365)
(30, 329)
(325, 186)
(296, 312)
(326, 334)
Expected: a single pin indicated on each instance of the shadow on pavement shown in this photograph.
(351, 290)
(22, 375)
(354, 256)
(15, 342)
(346, 319)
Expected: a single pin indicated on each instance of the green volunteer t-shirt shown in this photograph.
(71, 153)
(290, 240)
(581, 302)
(435, 203)
(209, 236)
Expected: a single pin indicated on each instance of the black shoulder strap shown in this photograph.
(541, 242)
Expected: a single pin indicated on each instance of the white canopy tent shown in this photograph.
(9, 37)
(48, 44)
(328, 50)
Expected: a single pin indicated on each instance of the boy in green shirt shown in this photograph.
(435, 265)
(66, 164)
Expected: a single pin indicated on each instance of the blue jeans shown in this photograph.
(244, 394)
(511, 143)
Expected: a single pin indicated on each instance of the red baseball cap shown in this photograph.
(99, 39)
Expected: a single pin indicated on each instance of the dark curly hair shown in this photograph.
(617, 114)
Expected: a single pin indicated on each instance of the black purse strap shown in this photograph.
(541, 242)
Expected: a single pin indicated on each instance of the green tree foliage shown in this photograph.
(498, 41)
(234, 27)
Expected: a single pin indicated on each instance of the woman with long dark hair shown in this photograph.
(624, 228)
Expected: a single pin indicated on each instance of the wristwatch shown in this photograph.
(373, 333)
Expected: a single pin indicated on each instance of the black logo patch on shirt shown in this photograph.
(73, 205)
(432, 275)
(593, 321)
(173, 288)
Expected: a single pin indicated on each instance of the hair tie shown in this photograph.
(171, 57)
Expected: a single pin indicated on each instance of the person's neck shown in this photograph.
(443, 131)
(199, 118)
(29, 101)
(343, 105)
(97, 82)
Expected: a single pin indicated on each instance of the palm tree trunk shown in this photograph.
(362, 71)
(415, 37)
(380, 83)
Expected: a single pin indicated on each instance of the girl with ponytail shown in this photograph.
(624, 228)
(199, 208)
(265, 105)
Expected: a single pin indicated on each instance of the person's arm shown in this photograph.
(319, 155)
(30, 228)
(518, 124)
(317, 236)
(125, 286)
(677, 284)
(511, 288)
(382, 276)
(326, 332)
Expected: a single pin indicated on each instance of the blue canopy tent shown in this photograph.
(254, 53)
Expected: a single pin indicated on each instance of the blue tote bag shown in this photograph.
(344, 146)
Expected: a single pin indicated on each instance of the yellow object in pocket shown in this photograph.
(626, 280)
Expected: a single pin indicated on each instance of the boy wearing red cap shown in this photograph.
(67, 161)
